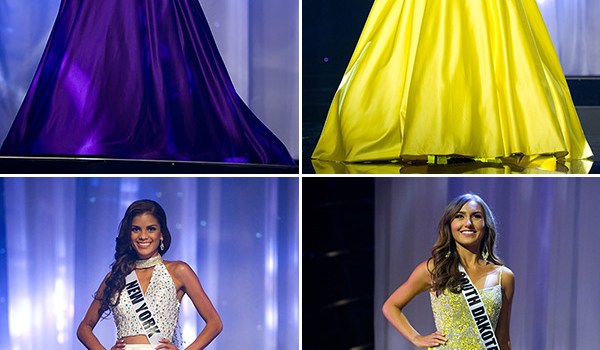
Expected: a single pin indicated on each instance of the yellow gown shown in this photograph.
(478, 79)
(454, 320)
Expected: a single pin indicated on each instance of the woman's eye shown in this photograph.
(459, 216)
(135, 229)
(152, 229)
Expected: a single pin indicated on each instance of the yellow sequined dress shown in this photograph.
(453, 318)
(479, 79)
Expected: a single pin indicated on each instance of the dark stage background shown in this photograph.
(329, 33)
(338, 265)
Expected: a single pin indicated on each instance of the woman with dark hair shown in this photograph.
(471, 291)
(144, 292)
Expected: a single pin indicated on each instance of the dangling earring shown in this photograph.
(448, 254)
(485, 253)
(162, 245)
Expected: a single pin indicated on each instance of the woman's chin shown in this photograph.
(145, 253)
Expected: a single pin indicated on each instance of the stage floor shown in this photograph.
(590, 120)
(57, 165)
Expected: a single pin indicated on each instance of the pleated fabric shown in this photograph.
(137, 79)
(479, 79)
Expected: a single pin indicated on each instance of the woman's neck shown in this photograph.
(147, 263)
(469, 258)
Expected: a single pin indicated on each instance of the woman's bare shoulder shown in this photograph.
(108, 274)
(424, 269)
(178, 267)
(507, 277)
(507, 273)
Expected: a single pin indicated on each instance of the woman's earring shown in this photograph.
(448, 254)
(162, 245)
(485, 253)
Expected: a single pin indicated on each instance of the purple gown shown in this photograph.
(140, 79)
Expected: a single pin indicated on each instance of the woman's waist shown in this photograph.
(139, 339)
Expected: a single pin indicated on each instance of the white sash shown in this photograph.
(142, 310)
(480, 316)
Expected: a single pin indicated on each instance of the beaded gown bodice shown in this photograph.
(161, 296)
(452, 317)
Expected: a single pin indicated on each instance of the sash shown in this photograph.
(480, 316)
(143, 312)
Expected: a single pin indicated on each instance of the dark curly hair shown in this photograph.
(125, 255)
(445, 274)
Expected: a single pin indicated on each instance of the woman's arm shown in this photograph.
(192, 287)
(86, 327)
(418, 282)
(503, 327)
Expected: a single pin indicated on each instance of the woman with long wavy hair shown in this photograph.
(464, 277)
(143, 238)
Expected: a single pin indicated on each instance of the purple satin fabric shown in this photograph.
(139, 79)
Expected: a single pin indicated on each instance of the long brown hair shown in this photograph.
(125, 254)
(445, 274)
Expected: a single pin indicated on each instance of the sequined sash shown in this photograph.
(142, 309)
(477, 310)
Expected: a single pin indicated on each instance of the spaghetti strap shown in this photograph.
(500, 276)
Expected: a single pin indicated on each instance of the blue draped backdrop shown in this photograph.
(574, 27)
(258, 39)
(240, 235)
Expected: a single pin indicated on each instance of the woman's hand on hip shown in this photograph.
(432, 340)
(166, 344)
(120, 344)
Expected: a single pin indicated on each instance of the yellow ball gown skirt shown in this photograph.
(472, 78)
